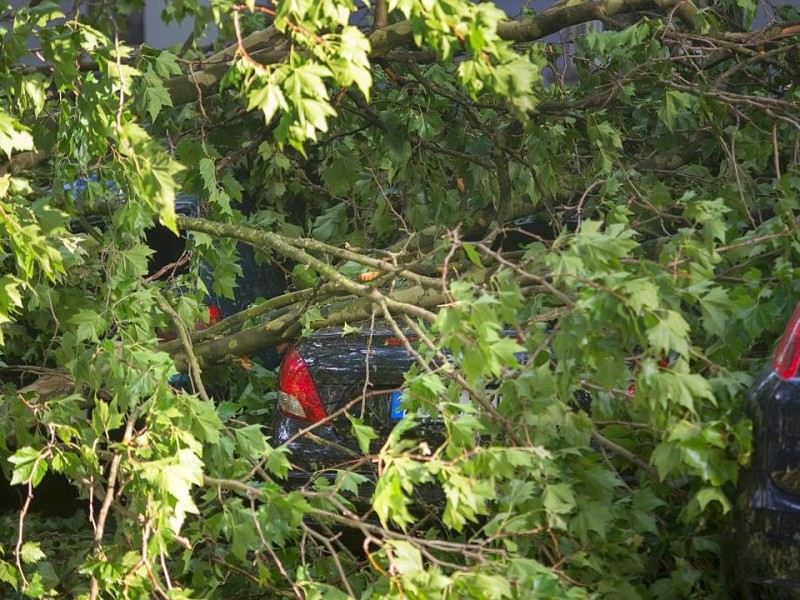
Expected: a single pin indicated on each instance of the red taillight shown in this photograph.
(396, 342)
(214, 314)
(297, 394)
(787, 355)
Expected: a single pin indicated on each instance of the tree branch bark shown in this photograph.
(290, 249)
(252, 340)
(381, 14)
(557, 18)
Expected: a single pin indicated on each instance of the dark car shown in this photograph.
(170, 255)
(360, 372)
(168, 249)
(332, 374)
(765, 544)
(328, 374)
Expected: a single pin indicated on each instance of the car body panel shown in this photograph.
(359, 372)
(763, 544)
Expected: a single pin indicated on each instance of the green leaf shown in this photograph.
(342, 173)
(405, 557)
(467, 498)
(10, 299)
(332, 224)
(31, 552)
(506, 350)
(363, 433)
(472, 255)
(244, 537)
(277, 461)
(251, 440)
(349, 481)
(463, 429)
(133, 262)
(156, 96)
(645, 503)
(315, 590)
(642, 294)
(269, 99)
(90, 325)
(717, 308)
(592, 517)
(205, 420)
(559, 500)
(167, 64)
(13, 135)
(670, 333)
(350, 330)
(105, 418)
(674, 102)
(209, 174)
(354, 66)
(390, 499)
(35, 587)
(712, 494)
(304, 277)
(179, 479)
(30, 466)
(666, 458)
(8, 573)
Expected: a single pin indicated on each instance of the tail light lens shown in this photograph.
(396, 342)
(786, 359)
(297, 394)
(214, 314)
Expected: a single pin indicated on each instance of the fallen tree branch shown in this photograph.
(635, 460)
(286, 247)
(269, 46)
(22, 162)
(374, 263)
(240, 318)
(288, 326)
(557, 18)
(110, 493)
(56, 383)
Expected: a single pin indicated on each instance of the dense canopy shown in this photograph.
(614, 180)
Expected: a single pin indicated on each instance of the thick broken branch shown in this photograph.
(557, 18)
(235, 321)
(287, 327)
(58, 383)
(292, 250)
(268, 46)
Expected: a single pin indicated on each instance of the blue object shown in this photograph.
(396, 411)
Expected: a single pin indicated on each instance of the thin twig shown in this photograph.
(334, 555)
(102, 515)
(183, 334)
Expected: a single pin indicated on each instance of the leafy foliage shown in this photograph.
(584, 364)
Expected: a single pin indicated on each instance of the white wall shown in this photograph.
(157, 34)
